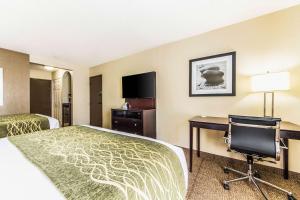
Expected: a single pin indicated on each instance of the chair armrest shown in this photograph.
(282, 144)
(226, 134)
(226, 138)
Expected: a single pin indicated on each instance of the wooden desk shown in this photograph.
(288, 131)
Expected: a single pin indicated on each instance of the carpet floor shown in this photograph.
(205, 182)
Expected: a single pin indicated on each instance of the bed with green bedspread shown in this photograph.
(21, 124)
(85, 163)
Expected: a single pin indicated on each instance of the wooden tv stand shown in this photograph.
(137, 121)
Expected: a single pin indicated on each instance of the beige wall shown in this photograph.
(81, 95)
(268, 43)
(80, 86)
(57, 84)
(66, 87)
(40, 74)
(16, 82)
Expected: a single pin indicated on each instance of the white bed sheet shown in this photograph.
(53, 123)
(21, 180)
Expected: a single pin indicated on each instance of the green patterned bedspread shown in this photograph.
(86, 163)
(21, 124)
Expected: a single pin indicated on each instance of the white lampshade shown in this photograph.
(270, 82)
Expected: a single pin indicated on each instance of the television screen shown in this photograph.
(139, 85)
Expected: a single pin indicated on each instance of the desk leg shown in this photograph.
(191, 147)
(198, 142)
(286, 160)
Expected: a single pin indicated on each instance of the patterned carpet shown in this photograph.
(205, 182)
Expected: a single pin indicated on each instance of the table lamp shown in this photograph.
(268, 83)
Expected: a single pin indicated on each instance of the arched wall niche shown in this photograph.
(62, 93)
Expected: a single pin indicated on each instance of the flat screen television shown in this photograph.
(139, 86)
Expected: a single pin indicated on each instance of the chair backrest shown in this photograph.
(259, 136)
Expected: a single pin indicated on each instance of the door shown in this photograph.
(40, 96)
(96, 100)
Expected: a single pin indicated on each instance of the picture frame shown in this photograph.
(213, 75)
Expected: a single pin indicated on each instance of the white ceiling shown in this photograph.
(91, 32)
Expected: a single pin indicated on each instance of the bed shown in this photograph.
(17, 124)
(85, 162)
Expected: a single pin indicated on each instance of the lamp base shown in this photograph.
(265, 104)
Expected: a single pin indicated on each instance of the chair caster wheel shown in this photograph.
(226, 171)
(256, 174)
(226, 186)
(291, 197)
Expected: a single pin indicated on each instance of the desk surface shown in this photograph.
(284, 125)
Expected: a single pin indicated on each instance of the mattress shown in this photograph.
(19, 174)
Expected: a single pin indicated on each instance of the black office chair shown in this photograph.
(256, 138)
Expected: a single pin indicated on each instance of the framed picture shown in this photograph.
(213, 75)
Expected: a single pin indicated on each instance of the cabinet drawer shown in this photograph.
(134, 115)
(136, 127)
(119, 113)
(127, 114)
(127, 125)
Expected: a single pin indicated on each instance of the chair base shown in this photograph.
(252, 177)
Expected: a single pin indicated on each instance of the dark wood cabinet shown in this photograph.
(140, 122)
